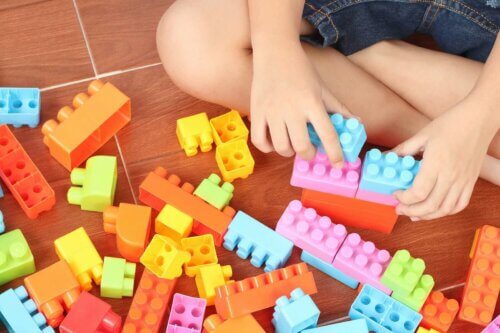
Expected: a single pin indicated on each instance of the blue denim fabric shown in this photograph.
(462, 27)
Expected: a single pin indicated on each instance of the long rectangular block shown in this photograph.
(16, 259)
(493, 327)
(383, 199)
(329, 270)
(186, 315)
(20, 106)
(439, 312)
(353, 326)
(294, 314)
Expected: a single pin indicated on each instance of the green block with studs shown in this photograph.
(215, 194)
(419, 295)
(117, 278)
(403, 273)
(16, 259)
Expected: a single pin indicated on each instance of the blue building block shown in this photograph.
(329, 270)
(19, 314)
(2, 224)
(295, 314)
(382, 313)
(351, 132)
(386, 173)
(1, 191)
(20, 106)
(353, 326)
(254, 238)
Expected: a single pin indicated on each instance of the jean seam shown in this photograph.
(325, 15)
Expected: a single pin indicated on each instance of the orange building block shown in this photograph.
(483, 280)
(149, 304)
(351, 211)
(132, 226)
(261, 292)
(244, 324)
(82, 131)
(156, 191)
(54, 290)
(438, 312)
(22, 177)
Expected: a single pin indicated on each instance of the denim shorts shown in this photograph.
(463, 27)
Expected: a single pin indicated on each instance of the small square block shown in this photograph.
(193, 132)
(209, 277)
(117, 278)
(403, 273)
(234, 160)
(217, 195)
(416, 299)
(16, 259)
(439, 312)
(20, 106)
(295, 314)
(173, 223)
(164, 257)
(228, 127)
(202, 251)
(186, 315)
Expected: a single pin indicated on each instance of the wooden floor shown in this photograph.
(61, 45)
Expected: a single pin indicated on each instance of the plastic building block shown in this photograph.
(329, 270)
(16, 259)
(94, 187)
(90, 314)
(234, 160)
(295, 314)
(403, 273)
(423, 330)
(82, 131)
(164, 257)
(311, 232)
(362, 261)
(383, 314)
(22, 177)
(173, 223)
(79, 252)
(117, 278)
(209, 277)
(416, 299)
(228, 127)
(384, 199)
(351, 132)
(387, 173)
(493, 327)
(318, 174)
(482, 285)
(132, 226)
(20, 106)
(244, 324)
(149, 304)
(217, 195)
(253, 238)
(439, 312)
(2, 224)
(156, 191)
(1, 191)
(352, 212)
(193, 132)
(202, 250)
(19, 314)
(353, 326)
(186, 315)
(261, 292)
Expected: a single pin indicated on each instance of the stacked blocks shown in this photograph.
(439, 312)
(403, 273)
(79, 252)
(193, 132)
(228, 127)
(210, 277)
(295, 314)
(20, 106)
(95, 120)
(186, 315)
(234, 160)
(94, 187)
(164, 258)
(311, 232)
(493, 327)
(328, 269)
(16, 259)
(383, 314)
(353, 326)
(262, 243)
(202, 251)
(243, 324)
(217, 195)
(173, 223)
(416, 299)
(117, 278)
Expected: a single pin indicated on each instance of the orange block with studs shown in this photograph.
(243, 324)
(438, 312)
(83, 130)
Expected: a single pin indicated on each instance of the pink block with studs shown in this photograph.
(186, 314)
(319, 175)
(384, 199)
(311, 232)
(363, 261)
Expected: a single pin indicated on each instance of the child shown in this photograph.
(247, 55)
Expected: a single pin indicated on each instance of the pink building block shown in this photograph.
(311, 232)
(384, 199)
(493, 327)
(319, 175)
(363, 261)
(186, 314)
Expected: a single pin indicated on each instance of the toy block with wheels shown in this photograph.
(83, 130)
(353, 326)
(209, 277)
(117, 278)
(16, 259)
(244, 324)
(416, 299)
(20, 106)
(228, 127)
(234, 160)
(403, 273)
(211, 192)
(164, 257)
(202, 251)
(329, 270)
(186, 315)
(439, 312)
(193, 132)
(173, 223)
(295, 314)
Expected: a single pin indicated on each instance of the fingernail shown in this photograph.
(414, 219)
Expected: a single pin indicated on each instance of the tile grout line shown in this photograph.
(94, 68)
(125, 168)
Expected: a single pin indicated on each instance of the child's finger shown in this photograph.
(463, 200)
(449, 203)
(332, 104)
(301, 141)
(258, 129)
(422, 186)
(328, 136)
(281, 140)
(412, 146)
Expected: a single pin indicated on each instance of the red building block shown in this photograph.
(90, 314)
(438, 312)
(22, 177)
(156, 191)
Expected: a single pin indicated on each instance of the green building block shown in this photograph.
(403, 273)
(117, 278)
(95, 185)
(210, 191)
(419, 295)
(16, 259)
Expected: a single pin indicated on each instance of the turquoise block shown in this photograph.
(329, 270)
(2, 224)
(353, 326)
(295, 314)
(20, 106)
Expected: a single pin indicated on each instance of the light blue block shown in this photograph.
(382, 313)
(1, 191)
(329, 270)
(387, 173)
(2, 224)
(351, 132)
(255, 239)
(19, 314)
(20, 106)
(353, 326)
(295, 314)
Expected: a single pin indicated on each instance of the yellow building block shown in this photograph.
(193, 132)
(202, 250)
(234, 160)
(164, 258)
(423, 330)
(79, 252)
(173, 223)
(228, 127)
(210, 277)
